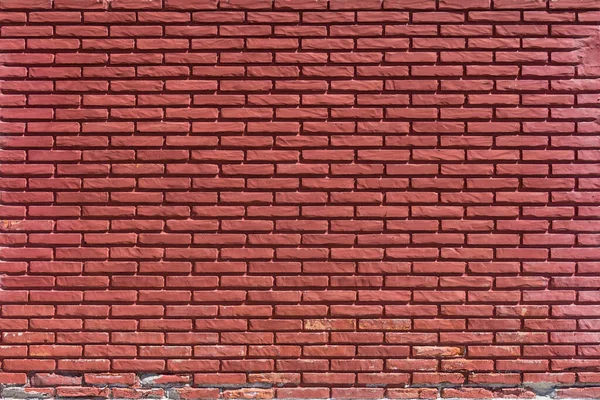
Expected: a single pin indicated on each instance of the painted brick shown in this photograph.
(299, 198)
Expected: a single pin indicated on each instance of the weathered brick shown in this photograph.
(299, 198)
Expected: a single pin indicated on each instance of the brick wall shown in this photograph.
(300, 198)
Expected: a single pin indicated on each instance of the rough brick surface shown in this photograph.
(300, 198)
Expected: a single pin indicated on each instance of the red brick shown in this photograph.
(334, 195)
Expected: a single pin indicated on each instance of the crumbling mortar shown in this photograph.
(541, 390)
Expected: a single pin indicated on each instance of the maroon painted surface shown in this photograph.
(300, 197)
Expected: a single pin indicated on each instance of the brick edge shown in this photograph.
(185, 387)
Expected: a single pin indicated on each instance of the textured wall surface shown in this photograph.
(300, 198)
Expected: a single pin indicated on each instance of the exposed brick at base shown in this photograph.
(299, 198)
(251, 386)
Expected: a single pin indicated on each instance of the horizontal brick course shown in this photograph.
(299, 199)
